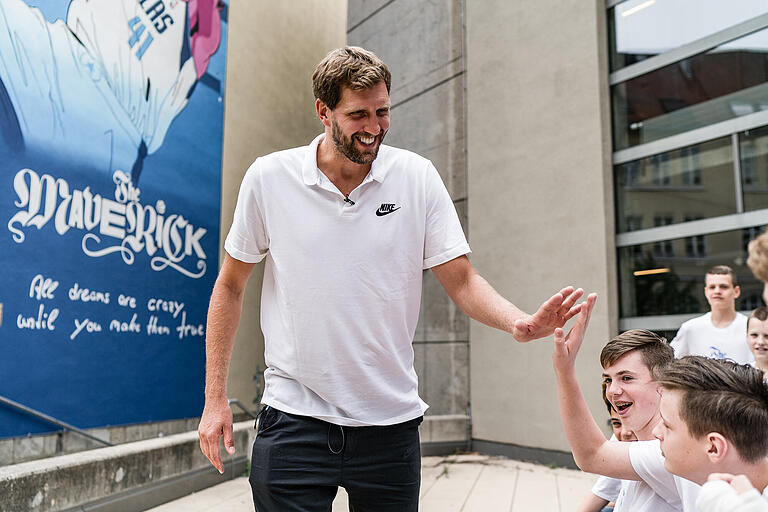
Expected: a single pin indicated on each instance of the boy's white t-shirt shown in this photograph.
(699, 337)
(648, 463)
(607, 488)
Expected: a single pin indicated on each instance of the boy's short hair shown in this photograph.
(758, 256)
(350, 66)
(723, 270)
(654, 349)
(721, 396)
(760, 313)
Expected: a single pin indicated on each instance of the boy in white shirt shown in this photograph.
(628, 361)
(713, 416)
(720, 333)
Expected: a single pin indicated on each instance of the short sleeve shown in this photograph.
(680, 342)
(607, 488)
(648, 463)
(444, 239)
(247, 239)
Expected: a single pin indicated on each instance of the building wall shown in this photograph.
(273, 50)
(423, 45)
(540, 203)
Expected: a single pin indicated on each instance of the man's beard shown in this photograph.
(346, 146)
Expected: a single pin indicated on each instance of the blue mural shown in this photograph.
(111, 122)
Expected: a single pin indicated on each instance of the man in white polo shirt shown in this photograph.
(346, 227)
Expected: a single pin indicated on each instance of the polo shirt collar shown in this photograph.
(311, 173)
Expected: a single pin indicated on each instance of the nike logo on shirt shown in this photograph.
(386, 209)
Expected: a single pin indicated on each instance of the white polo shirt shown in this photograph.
(342, 281)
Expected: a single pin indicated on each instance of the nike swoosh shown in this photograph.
(380, 213)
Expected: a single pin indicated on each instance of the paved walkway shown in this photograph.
(460, 483)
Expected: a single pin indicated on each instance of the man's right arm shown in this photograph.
(591, 450)
(223, 319)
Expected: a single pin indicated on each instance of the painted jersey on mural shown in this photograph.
(111, 119)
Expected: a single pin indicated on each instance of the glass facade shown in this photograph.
(753, 146)
(670, 281)
(686, 184)
(727, 82)
(643, 28)
(697, 195)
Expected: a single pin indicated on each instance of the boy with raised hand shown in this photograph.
(713, 417)
(603, 495)
(628, 361)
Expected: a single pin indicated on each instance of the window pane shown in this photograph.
(683, 185)
(727, 82)
(644, 28)
(753, 146)
(659, 284)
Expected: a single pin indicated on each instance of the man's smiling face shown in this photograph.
(633, 393)
(359, 123)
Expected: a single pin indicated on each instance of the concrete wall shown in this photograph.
(423, 45)
(273, 50)
(540, 200)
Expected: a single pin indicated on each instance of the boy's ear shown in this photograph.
(736, 291)
(717, 447)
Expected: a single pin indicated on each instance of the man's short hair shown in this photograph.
(758, 256)
(723, 270)
(654, 349)
(760, 313)
(350, 66)
(721, 396)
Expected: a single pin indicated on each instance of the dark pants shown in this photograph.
(299, 462)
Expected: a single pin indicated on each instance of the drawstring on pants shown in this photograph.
(343, 440)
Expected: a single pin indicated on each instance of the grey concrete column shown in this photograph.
(540, 204)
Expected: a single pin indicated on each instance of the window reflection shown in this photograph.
(753, 147)
(654, 282)
(678, 186)
(644, 28)
(727, 82)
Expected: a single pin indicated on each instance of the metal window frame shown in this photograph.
(689, 50)
(693, 228)
(705, 133)
(613, 3)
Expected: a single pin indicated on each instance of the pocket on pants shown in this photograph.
(267, 420)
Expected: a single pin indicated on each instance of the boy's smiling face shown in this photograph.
(757, 337)
(633, 393)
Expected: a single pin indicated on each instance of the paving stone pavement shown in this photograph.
(456, 483)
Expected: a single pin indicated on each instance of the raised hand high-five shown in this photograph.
(567, 347)
(552, 314)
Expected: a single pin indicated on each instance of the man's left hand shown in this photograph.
(551, 315)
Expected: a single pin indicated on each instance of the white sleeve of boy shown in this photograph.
(607, 488)
(648, 463)
(680, 342)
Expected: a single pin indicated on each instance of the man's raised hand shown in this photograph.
(566, 347)
(552, 314)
